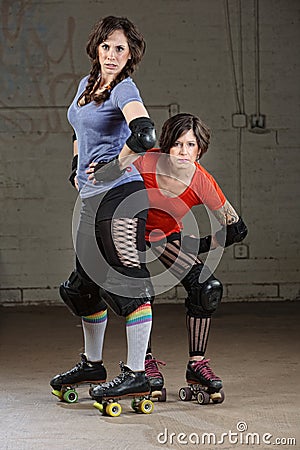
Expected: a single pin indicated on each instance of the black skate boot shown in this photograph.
(84, 372)
(155, 377)
(202, 383)
(127, 384)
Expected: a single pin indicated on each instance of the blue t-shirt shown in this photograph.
(101, 132)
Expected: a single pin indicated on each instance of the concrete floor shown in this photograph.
(254, 347)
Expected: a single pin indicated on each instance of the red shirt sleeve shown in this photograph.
(208, 190)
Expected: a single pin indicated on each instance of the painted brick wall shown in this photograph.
(188, 67)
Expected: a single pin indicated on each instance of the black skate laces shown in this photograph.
(125, 373)
(77, 367)
(151, 367)
(204, 368)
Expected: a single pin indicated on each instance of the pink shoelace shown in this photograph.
(205, 370)
(151, 367)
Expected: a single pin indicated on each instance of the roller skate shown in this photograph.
(155, 377)
(127, 384)
(203, 384)
(85, 372)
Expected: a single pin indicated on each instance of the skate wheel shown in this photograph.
(70, 396)
(218, 397)
(163, 396)
(98, 406)
(113, 409)
(57, 394)
(134, 405)
(203, 398)
(146, 406)
(185, 394)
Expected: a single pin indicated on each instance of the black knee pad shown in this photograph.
(203, 297)
(81, 296)
(123, 298)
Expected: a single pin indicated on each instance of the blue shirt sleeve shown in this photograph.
(125, 92)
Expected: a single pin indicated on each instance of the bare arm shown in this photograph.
(226, 215)
(75, 148)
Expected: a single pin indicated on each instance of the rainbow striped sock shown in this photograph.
(142, 314)
(94, 327)
(98, 317)
(138, 328)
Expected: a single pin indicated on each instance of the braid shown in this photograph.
(94, 81)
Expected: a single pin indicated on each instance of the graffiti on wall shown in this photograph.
(37, 76)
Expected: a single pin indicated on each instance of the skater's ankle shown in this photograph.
(91, 359)
(95, 361)
(195, 358)
(135, 370)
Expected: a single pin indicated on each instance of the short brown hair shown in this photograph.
(176, 125)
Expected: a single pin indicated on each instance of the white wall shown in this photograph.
(188, 63)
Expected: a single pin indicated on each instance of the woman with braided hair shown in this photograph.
(108, 116)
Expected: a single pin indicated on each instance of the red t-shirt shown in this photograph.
(165, 213)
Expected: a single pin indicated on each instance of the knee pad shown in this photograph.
(203, 297)
(81, 296)
(124, 299)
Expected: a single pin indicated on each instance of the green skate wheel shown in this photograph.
(113, 409)
(70, 396)
(134, 405)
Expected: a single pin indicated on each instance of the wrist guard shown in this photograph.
(73, 170)
(235, 232)
(196, 245)
(105, 172)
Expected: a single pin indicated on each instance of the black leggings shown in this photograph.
(111, 235)
(179, 264)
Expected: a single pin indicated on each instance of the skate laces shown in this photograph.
(205, 370)
(125, 372)
(78, 366)
(151, 367)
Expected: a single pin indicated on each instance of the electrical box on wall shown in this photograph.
(239, 120)
(241, 251)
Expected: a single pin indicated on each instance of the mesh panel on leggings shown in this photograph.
(198, 331)
(179, 264)
(174, 259)
(124, 234)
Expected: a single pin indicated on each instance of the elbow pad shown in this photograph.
(195, 245)
(142, 136)
(235, 232)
